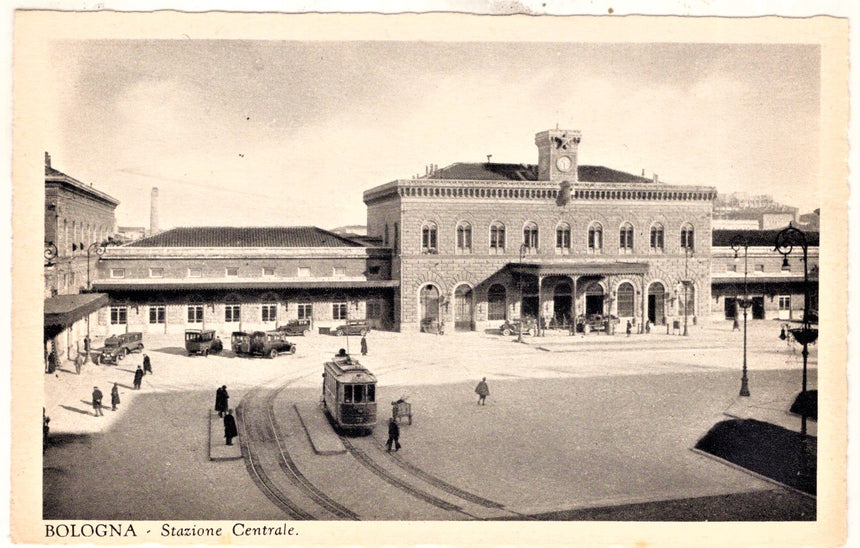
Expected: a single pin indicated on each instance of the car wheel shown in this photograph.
(101, 359)
(306, 332)
(363, 332)
(293, 349)
(122, 353)
(205, 353)
(338, 333)
(140, 348)
(506, 332)
(273, 354)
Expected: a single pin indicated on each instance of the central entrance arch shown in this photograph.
(594, 299)
(429, 300)
(562, 303)
(656, 303)
(463, 308)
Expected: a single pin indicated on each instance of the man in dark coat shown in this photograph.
(97, 401)
(114, 397)
(147, 365)
(221, 401)
(393, 435)
(363, 345)
(482, 390)
(138, 377)
(230, 430)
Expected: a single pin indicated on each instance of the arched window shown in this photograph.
(497, 238)
(625, 240)
(496, 308)
(626, 297)
(595, 238)
(687, 237)
(530, 237)
(428, 238)
(657, 238)
(464, 238)
(562, 239)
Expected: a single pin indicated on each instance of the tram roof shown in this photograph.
(351, 371)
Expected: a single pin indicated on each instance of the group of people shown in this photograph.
(222, 406)
(97, 399)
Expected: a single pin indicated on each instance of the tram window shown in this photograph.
(358, 393)
(371, 393)
(347, 393)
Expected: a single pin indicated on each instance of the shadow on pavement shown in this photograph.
(174, 350)
(76, 410)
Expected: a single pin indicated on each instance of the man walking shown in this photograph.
(221, 401)
(230, 430)
(393, 435)
(482, 390)
(138, 377)
(114, 397)
(97, 402)
(364, 345)
(147, 365)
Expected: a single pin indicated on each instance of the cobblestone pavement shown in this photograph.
(572, 423)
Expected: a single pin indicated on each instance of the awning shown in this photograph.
(734, 280)
(579, 268)
(105, 285)
(64, 310)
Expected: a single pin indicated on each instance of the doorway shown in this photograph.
(656, 304)
(758, 308)
(562, 301)
(594, 299)
(463, 308)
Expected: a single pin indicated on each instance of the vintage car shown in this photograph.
(352, 327)
(117, 346)
(296, 327)
(240, 342)
(202, 341)
(595, 322)
(513, 327)
(270, 344)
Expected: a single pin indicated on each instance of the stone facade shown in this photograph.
(463, 267)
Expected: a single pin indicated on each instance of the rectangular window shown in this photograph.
(232, 312)
(347, 393)
(396, 239)
(157, 314)
(270, 312)
(338, 311)
(232, 271)
(731, 268)
(374, 310)
(195, 313)
(117, 273)
(156, 272)
(785, 302)
(118, 315)
(268, 271)
(306, 311)
(339, 271)
(195, 272)
(759, 268)
(304, 272)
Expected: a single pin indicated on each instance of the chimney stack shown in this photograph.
(656, 179)
(47, 159)
(153, 212)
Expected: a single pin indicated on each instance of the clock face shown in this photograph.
(563, 163)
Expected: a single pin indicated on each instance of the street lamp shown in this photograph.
(100, 250)
(785, 242)
(738, 242)
(523, 248)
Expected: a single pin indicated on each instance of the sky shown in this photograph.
(264, 133)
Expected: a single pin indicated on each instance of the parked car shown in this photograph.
(240, 342)
(513, 327)
(118, 346)
(202, 341)
(595, 322)
(296, 327)
(352, 327)
(270, 344)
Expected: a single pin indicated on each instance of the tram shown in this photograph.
(349, 394)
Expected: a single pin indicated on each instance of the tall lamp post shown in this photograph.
(786, 240)
(738, 242)
(523, 248)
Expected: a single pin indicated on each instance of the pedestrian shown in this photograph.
(393, 435)
(97, 401)
(45, 430)
(230, 430)
(735, 325)
(79, 363)
(629, 327)
(114, 397)
(221, 401)
(147, 365)
(138, 377)
(364, 345)
(482, 390)
(648, 326)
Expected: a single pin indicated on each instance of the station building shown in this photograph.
(474, 244)
(243, 279)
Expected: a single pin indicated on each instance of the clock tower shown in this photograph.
(557, 154)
